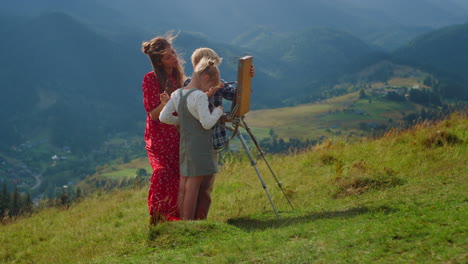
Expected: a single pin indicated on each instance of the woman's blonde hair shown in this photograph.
(156, 49)
(200, 53)
(208, 67)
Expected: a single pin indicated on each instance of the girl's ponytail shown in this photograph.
(207, 67)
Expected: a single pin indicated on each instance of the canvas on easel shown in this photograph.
(241, 103)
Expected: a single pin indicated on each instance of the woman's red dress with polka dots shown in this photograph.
(162, 145)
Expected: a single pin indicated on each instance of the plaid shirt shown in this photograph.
(219, 132)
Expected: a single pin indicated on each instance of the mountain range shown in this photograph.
(71, 72)
(444, 52)
(387, 24)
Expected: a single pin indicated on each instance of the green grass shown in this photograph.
(120, 174)
(123, 171)
(399, 199)
(380, 107)
(311, 121)
(299, 121)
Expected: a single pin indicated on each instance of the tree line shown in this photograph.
(14, 203)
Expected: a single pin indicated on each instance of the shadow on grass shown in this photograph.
(249, 224)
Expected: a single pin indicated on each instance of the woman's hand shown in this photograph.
(252, 71)
(164, 97)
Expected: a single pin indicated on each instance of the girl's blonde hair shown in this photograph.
(200, 53)
(156, 49)
(208, 67)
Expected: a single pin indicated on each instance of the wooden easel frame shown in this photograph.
(241, 103)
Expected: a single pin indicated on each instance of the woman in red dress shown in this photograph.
(162, 140)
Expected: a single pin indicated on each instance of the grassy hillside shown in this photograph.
(298, 121)
(339, 116)
(398, 199)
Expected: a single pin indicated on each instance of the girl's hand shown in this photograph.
(164, 97)
(252, 71)
(212, 91)
(220, 107)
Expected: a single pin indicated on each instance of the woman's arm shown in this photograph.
(152, 100)
(154, 114)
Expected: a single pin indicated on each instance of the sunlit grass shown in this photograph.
(120, 174)
(123, 171)
(299, 121)
(314, 121)
(398, 199)
(407, 82)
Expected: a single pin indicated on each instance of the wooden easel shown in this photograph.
(239, 107)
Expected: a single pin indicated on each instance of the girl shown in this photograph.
(216, 96)
(162, 140)
(197, 156)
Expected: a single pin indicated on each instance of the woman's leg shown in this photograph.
(189, 204)
(204, 197)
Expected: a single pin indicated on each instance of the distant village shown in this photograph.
(386, 89)
(19, 174)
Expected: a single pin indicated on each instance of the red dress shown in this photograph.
(162, 145)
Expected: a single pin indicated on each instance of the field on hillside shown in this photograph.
(398, 199)
(340, 116)
(298, 121)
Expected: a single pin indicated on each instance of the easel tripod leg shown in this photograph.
(262, 153)
(254, 164)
